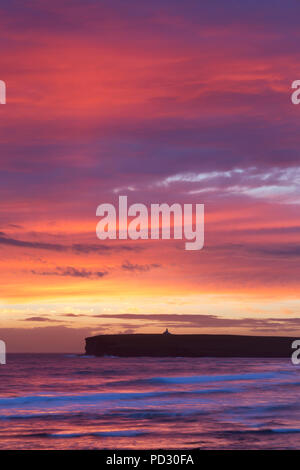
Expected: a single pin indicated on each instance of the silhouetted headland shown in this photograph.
(172, 345)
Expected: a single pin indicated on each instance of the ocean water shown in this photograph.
(61, 401)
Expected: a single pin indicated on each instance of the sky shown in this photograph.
(162, 101)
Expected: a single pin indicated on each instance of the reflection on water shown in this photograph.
(74, 402)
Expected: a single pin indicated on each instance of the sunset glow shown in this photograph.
(155, 101)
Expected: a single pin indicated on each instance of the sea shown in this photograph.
(69, 401)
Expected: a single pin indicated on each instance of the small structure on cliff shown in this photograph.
(166, 332)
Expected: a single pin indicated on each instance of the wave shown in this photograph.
(126, 433)
(70, 435)
(103, 415)
(38, 400)
(214, 378)
(287, 430)
(49, 416)
(263, 431)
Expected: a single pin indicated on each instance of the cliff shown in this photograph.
(160, 345)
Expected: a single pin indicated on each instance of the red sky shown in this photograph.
(162, 102)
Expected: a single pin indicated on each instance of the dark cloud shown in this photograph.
(40, 319)
(77, 247)
(73, 272)
(71, 315)
(4, 240)
(90, 248)
(128, 266)
(281, 250)
(209, 321)
(284, 251)
(85, 248)
(294, 229)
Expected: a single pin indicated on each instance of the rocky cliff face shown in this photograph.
(189, 346)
